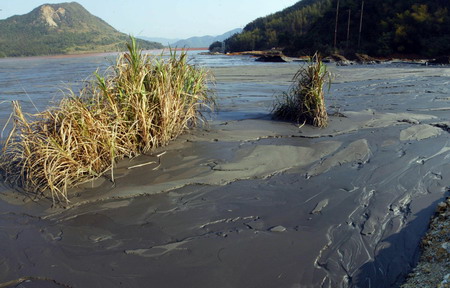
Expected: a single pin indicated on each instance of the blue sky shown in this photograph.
(165, 18)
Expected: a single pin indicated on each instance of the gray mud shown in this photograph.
(251, 202)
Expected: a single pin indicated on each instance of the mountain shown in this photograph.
(204, 41)
(164, 41)
(60, 29)
(409, 27)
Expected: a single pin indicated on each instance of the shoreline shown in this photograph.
(94, 54)
(433, 268)
(355, 59)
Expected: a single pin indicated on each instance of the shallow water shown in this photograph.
(39, 82)
(249, 202)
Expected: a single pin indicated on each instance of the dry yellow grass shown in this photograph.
(140, 104)
(304, 102)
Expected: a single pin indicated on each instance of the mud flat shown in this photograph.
(251, 202)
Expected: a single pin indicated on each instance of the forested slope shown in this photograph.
(380, 28)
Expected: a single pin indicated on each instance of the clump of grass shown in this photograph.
(141, 103)
(304, 102)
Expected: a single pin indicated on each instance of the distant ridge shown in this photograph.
(66, 28)
(162, 40)
(204, 41)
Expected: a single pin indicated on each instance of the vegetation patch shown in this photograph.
(304, 102)
(141, 103)
(387, 28)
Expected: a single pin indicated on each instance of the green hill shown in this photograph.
(407, 27)
(279, 29)
(60, 29)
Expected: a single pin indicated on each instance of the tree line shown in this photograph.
(379, 28)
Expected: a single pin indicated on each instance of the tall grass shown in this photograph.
(140, 103)
(304, 102)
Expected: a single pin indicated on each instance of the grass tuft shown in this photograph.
(304, 102)
(140, 103)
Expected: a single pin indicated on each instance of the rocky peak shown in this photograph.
(51, 16)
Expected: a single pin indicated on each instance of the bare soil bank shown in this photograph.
(250, 202)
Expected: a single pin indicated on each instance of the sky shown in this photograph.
(165, 18)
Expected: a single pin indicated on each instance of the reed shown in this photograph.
(304, 102)
(139, 104)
